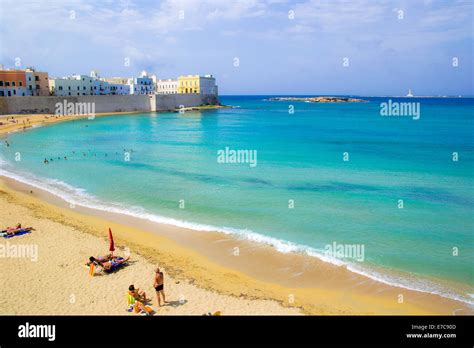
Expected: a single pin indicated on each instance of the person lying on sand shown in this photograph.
(10, 231)
(100, 259)
(17, 227)
(112, 264)
(137, 294)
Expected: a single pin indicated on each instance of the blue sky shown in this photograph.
(282, 47)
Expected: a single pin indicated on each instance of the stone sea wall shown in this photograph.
(105, 103)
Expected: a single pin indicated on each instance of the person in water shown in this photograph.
(158, 284)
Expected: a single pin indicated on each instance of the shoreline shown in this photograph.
(38, 120)
(307, 278)
(259, 272)
(55, 281)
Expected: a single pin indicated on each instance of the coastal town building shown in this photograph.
(39, 84)
(13, 83)
(77, 85)
(142, 85)
(30, 82)
(118, 85)
(118, 89)
(73, 85)
(22, 83)
(168, 86)
(197, 84)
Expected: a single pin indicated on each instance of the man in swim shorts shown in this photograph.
(158, 284)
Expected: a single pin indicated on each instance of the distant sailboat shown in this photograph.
(410, 94)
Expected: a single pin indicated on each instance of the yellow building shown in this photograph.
(188, 84)
(205, 85)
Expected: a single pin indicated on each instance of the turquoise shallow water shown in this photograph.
(173, 157)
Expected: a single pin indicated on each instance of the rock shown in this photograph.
(321, 99)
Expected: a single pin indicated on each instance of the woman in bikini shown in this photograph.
(137, 294)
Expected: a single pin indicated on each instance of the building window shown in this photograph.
(7, 83)
(1, 83)
(13, 83)
(9, 93)
(21, 83)
(2, 94)
(37, 86)
(14, 91)
(59, 88)
(69, 93)
(69, 88)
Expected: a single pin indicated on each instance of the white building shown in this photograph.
(118, 85)
(168, 86)
(74, 85)
(77, 85)
(207, 84)
(30, 82)
(142, 85)
(119, 89)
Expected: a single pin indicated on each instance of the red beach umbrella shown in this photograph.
(111, 240)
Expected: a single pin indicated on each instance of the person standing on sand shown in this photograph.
(159, 286)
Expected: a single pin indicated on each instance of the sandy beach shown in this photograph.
(202, 272)
(57, 282)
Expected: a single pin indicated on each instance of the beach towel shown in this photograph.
(20, 233)
(115, 266)
(138, 306)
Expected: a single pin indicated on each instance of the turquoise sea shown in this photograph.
(173, 175)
